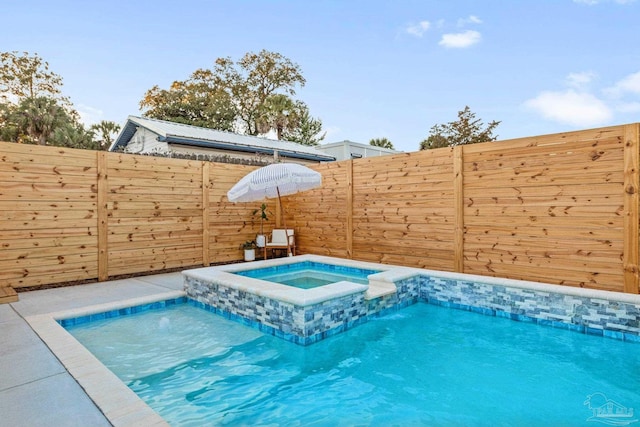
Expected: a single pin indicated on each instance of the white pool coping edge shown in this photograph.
(379, 283)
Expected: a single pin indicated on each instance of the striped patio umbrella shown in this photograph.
(278, 179)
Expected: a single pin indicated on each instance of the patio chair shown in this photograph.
(279, 241)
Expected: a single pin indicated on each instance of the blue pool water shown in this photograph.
(309, 274)
(422, 365)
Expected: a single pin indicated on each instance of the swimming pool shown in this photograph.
(599, 313)
(422, 365)
(309, 274)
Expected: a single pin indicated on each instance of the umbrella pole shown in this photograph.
(284, 220)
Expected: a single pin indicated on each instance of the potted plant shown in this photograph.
(261, 239)
(249, 250)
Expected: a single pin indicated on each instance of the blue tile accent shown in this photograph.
(120, 312)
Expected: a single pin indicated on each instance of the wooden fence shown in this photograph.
(558, 208)
(70, 215)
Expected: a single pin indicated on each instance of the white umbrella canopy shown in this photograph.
(278, 179)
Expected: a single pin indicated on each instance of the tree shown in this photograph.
(24, 76)
(467, 130)
(253, 79)
(196, 101)
(381, 142)
(74, 135)
(9, 130)
(44, 121)
(105, 130)
(278, 113)
(33, 110)
(38, 118)
(252, 95)
(307, 131)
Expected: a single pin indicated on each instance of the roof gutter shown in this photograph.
(244, 148)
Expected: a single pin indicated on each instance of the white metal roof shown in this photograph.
(194, 135)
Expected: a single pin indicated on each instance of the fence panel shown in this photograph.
(403, 211)
(48, 215)
(154, 208)
(547, 210)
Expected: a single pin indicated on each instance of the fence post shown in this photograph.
(458, 192)
(206, 261)
(350, 209)
(631, 199)
(103, 219)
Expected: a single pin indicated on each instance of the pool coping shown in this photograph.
(380, 284)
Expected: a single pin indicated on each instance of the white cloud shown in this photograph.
(580, 80)
(418, 29)
(89, 115)
(571, 107)
(460, 40)
(472, 19)
(628, 85)
(579, 106)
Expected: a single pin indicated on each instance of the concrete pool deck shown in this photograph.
(35, 388)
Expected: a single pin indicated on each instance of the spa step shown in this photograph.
(7, 295)
(379, 289)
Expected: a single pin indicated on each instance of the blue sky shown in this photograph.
(374, 68)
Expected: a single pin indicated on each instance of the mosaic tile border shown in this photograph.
(591, 315)
(303, 325)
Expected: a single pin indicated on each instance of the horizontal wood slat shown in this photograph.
(553, 208)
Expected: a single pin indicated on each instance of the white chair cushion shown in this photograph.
(279, 237)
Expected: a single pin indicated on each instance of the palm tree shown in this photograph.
(381, 142)
(278, 113)
(40, 116)
(106, 130)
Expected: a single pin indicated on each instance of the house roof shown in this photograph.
(360, 145)
(178, 133)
